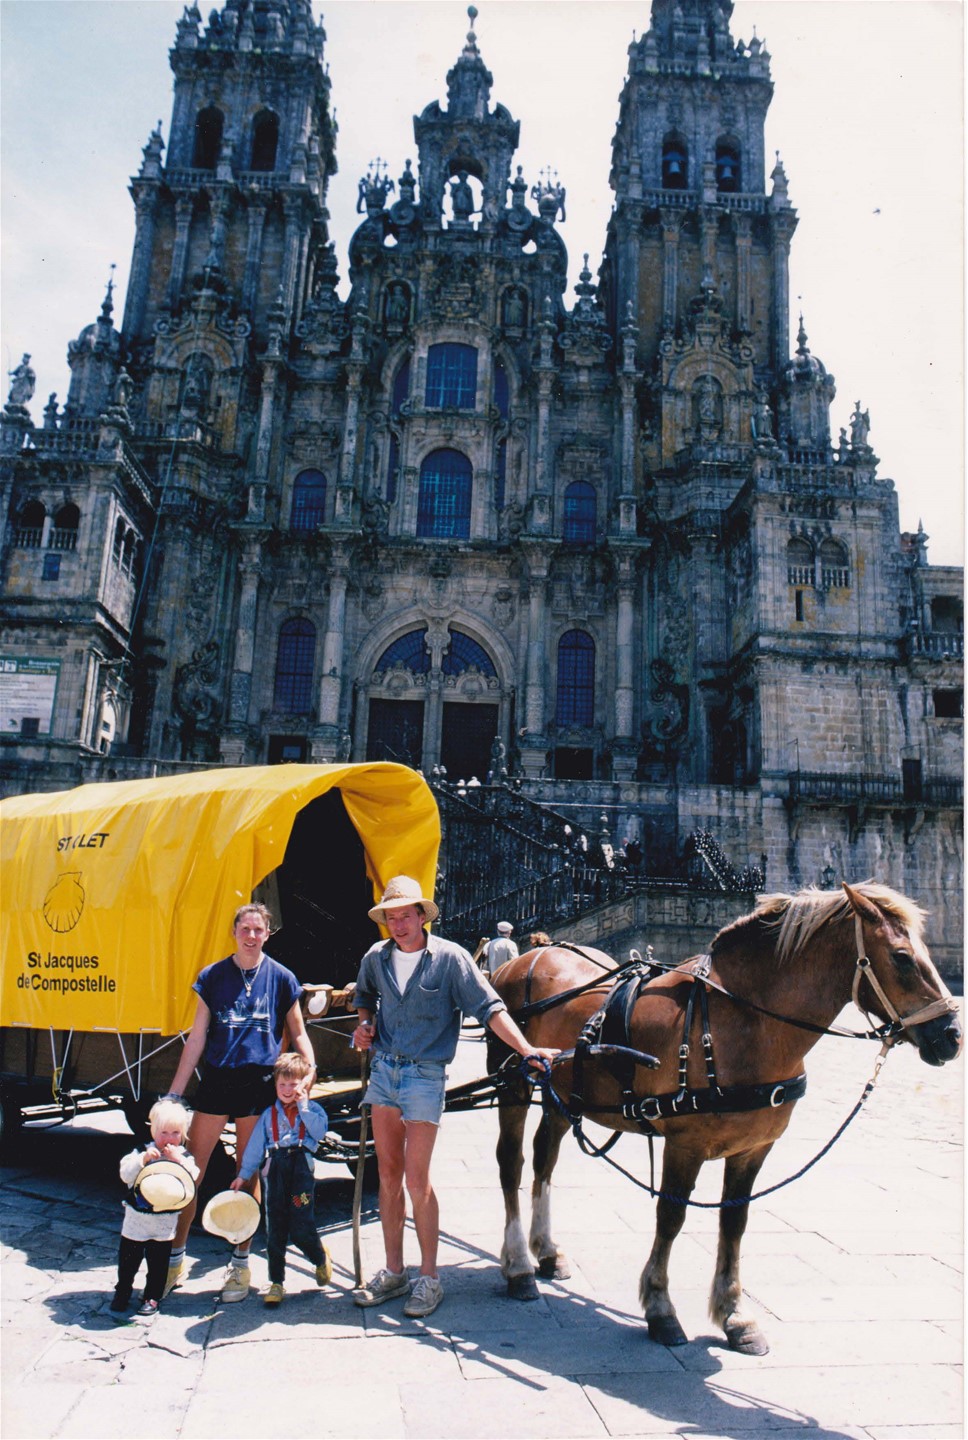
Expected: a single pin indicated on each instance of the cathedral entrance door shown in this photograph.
(395, 731)
(466, 739)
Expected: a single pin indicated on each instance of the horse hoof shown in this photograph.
(666, 1330)
(522, 1287)
(747, 1338)
(554, 1267)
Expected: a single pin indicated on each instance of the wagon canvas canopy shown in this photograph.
(116, 895)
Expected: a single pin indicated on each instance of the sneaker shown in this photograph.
(274, 1295)
(176, 1274)
(237, 1282)
(324, 1272)
(385, 1285)
(426, 1296)
(147, 1310)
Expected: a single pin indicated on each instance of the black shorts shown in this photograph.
(234, 1090)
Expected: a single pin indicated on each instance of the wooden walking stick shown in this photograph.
(360, 1167)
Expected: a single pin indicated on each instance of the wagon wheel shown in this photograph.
(136, 1113)
(371, 1171)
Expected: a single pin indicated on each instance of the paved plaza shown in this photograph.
(855, 1271)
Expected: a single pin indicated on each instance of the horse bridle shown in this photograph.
(863, 969)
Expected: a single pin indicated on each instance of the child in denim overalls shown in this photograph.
(289, 1132)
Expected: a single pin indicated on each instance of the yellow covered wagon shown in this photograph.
(114, 896)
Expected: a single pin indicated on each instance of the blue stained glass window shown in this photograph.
(408, 650)
(444, 500)
(579, 524)
(451, 376)
(462, 653)
(295, 660)
(576, 679)
(308, 500)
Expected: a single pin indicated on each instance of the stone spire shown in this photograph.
(469, 82)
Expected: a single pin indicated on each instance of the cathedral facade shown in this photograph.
(608, 538)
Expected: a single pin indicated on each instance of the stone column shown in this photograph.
(256, 216)
(250, 568)
(292, 206)
(671, 227)
(743, 229)
(534, 744)
(623, 749)
(331, 681)
(145, 206)
(539, 520)
(783, 226)
(184, 207)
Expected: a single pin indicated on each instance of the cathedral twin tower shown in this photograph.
(458, 512)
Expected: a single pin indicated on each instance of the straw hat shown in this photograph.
(400, 892)
(164, 1185)
(232, 1214)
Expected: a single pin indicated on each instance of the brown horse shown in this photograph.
(794, 961)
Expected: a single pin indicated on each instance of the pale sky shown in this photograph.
(867, 116)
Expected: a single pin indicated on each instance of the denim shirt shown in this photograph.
(315, 1123)
(424, 1022)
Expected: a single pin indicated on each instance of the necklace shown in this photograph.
(248, 976)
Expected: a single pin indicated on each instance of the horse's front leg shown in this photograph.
(726, 1299)
(552, 1262)
(679, 1170)
(516, 1266)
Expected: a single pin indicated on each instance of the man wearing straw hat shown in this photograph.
(412, 993)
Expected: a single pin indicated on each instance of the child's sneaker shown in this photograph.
(147, 1310)
(385, 1285)
(274, 1295)
(427, 1295)
(176, 1274)
(237, 1282)
(324, 1272)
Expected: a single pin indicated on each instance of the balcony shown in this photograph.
(940, 644)
(909, 795)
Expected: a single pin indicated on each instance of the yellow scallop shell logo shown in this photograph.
(64, 902)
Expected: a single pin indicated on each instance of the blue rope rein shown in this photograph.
(551, 1101)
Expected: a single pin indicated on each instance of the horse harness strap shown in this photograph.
(606, 1036)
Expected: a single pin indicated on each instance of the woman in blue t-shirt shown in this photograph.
(244, 1005)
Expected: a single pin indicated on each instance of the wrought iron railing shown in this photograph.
(506, 857)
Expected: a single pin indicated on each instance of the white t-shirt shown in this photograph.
(404, 963)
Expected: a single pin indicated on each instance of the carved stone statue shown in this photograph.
(24, 383)
(514, 310)
(762, 420)
(462, 199)
(860, 425)
(397, 304)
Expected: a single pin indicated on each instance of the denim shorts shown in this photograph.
(414, 1087)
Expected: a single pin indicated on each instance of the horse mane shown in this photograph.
(797, 918)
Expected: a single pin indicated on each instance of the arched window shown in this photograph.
(63, 535)
(208, 138)
(409, 652)
(308, 500)
(444, 500)
(728, 173)
(501, 392)
(265, 140)
(579, 526)
(117, 548)
(295, 660)
(576, 679)
(462, 653)
(799, 562)
(451, 377)
(128, 552)
(675, 163)
(401, 388)
(29, 533)
(834, 565)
